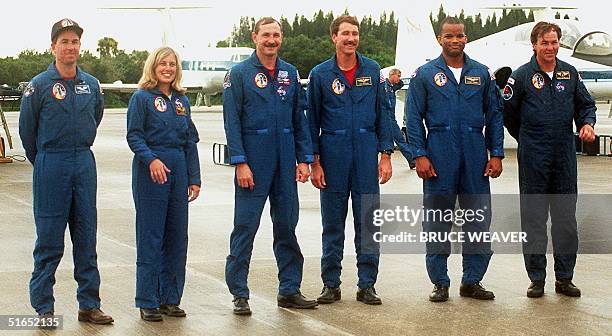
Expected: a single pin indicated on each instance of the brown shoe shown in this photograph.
(95, 316)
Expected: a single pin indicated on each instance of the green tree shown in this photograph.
(241, 34)
(107, 47)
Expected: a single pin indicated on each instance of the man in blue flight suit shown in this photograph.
(542, 99)
(349, 122)
(456, 97)
(267, 132)
(61, 109)
(392, 84)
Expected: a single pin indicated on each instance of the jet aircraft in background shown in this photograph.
(203, 68)
(589, 50)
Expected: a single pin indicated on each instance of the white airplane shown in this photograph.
(203, 69)
(590, 51)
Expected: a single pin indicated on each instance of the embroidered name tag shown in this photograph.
(471, 80)
(563, 75)
(283, 78)
(82, 89)
(363, 81)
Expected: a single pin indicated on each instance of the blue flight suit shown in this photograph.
(349, 125)
(538, 113)
(265, 127)
(57, 125)
(160, 127)
(398, 136)
(455, 115)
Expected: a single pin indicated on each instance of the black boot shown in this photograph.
(151, 314)
(368, 296)
(567, 288)
(296, 300)
(329, 295)
(241, 306)
(536, 289)
(172, 310)
(439, 294)
(476, 291)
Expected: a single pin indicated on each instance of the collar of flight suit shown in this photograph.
(333, 67)
(55, 75)
(280, 64)
(333, 64)
(157, 91)
(536, 67)
(441, 64)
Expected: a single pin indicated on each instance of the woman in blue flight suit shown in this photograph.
(165, 177)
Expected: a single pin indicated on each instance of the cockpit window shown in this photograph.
(569, 34)
(595, 44)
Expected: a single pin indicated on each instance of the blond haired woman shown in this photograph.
(165, 177)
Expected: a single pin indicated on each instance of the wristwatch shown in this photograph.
(388, 152)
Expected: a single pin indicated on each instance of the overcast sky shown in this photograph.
(27, 24)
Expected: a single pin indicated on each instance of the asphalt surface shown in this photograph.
(403, 283)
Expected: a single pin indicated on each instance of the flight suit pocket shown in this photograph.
(51, 186)
(147, 189)
(473, 93)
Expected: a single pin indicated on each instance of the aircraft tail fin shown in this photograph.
(416, 41)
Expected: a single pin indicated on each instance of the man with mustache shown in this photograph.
(61, 109)
(349, 123)
(542, 99)
(456, 97)
(267, 134)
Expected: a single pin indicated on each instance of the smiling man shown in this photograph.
(543, 99)
(349, 123)
(61, 109)
(462, 148)
(269, 143)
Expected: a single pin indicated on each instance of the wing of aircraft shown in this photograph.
(203, 71)
(119, 86)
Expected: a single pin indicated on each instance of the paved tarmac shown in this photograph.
(403, 283)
